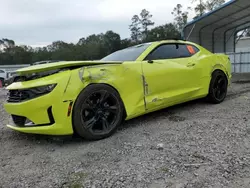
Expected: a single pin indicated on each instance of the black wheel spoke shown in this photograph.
(90, 104)
(220, 81)
(218, 93)
(105, 124)
(104, 97)
(90, 123)
(87, 108)
(111, 109)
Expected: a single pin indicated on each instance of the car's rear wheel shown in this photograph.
(98, 112)
(218, 87)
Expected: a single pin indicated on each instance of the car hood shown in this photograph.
(61, 65)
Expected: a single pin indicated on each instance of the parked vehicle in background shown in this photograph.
(3, 77)
(14, 77)
(11, 77)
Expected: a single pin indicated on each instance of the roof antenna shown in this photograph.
(190, 32)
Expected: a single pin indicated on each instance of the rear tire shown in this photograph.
(218, 87)
(97, 113)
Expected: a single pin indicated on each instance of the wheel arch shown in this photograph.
(219, 70)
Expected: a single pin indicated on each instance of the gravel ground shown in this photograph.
(190, 145)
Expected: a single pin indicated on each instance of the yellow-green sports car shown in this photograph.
(92, 98)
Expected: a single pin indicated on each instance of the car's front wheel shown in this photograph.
(98, 112)
(218, 87)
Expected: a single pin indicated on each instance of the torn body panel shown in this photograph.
(125, 78)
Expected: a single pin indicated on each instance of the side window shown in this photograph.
(171, 51)
(183, 51)
(1, 71)
(166, 51)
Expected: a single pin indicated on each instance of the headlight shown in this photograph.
(43, 89)
(20, 95)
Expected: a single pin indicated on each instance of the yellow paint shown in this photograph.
(143, 87)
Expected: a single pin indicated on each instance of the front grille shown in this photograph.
(18, 95)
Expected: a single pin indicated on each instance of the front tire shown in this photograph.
(218, 87)
(98, 112)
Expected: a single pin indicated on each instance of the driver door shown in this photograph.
(170, 76)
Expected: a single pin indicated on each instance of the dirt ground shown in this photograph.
(190, 145)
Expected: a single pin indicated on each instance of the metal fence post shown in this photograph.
(234, 63)
(240, 61)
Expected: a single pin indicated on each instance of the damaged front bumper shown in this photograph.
(38, 106)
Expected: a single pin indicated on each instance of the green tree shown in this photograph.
(112, 41)
(200, 8)
(57, 45)
(146, 22)
(22, 54)
(93, 47)
(163, 32)
(7, 43)
(205, 6)
(140, 26)
(180, 16)
(126, 43)
(40, 54)
(135, 28)
(213, 4)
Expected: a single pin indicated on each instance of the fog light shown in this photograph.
(29, 123)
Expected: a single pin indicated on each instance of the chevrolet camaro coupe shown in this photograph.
(92, 98)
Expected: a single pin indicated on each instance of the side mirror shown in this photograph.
(150, 61)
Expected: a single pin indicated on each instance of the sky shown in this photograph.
(40, 22)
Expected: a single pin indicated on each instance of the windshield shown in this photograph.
(127, 54)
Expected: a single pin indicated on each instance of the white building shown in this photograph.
(243, 45)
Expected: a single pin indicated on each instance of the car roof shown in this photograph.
(174, 41)
(163, 42)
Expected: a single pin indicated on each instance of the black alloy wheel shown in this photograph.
(98, 112)
(218, 87)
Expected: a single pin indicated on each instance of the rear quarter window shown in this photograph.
(192, 49)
